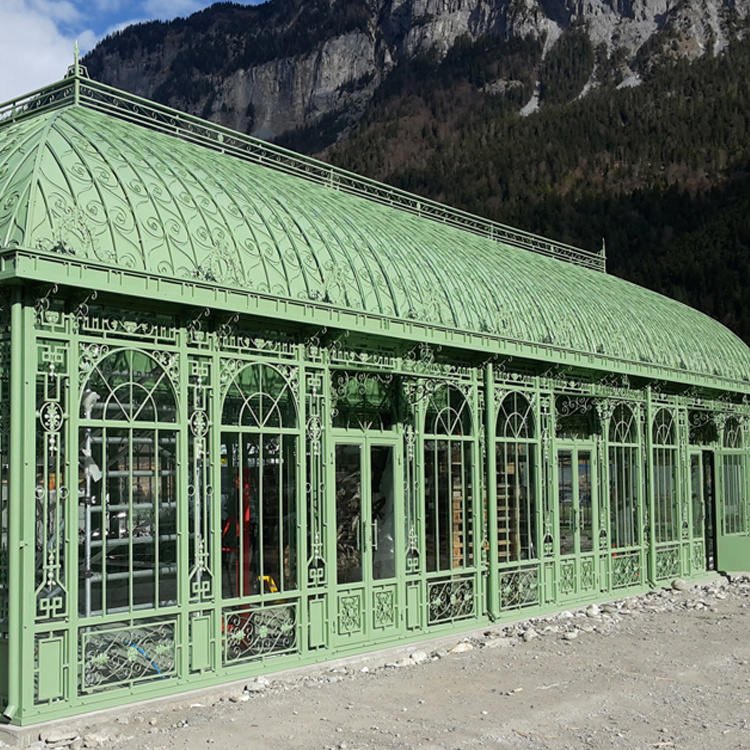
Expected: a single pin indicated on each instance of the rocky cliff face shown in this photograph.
(290, 64)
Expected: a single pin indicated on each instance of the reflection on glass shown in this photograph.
(128, 553)
(585, 508)
(258, 514)
(348, 514)
(623, 496)
(566, 501)
(382, 512)
(696, 494)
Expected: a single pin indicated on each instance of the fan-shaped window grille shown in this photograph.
(448, 413)
(516, 458)
(623, 425)
(129, 386)
(259, 448)
(664, 428)
(516, 418)
(260, 396)
(128, 477)
(733, 433)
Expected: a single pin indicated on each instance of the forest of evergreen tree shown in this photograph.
(658, 171)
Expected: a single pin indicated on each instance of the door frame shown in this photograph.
(370, 609)
(577, 572)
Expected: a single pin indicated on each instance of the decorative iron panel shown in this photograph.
(384, 608)
(316, 557)
(698, 562)
(567, 577)
(52, 480)
(667, 562)
(200, 489)
(254, 633)
(519, 588)
(125, 655)
(626, 569)
(451, 600)
(4, 486)
(350, 614)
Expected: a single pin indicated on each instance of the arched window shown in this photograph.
(516, 456)
(259, 483)
(733, 434)
(128, 463)
(733, 460)
(624, 523)
(666, 500)
(448, 467)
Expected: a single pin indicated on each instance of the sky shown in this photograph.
(37, 37)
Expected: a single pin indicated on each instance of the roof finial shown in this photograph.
(76, 52)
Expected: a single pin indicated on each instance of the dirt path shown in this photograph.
(663, 670)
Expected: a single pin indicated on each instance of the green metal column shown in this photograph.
(493, 607)
(15, 585)
(21, 520)
(650, 488)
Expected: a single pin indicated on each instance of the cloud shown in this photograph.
(37, 44)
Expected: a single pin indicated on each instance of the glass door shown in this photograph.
(702, 509)
(367, 503)
(577, 513)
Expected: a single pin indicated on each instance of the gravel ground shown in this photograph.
(668, 669)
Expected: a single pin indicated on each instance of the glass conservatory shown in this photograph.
(257, 412)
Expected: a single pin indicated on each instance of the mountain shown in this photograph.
(291, 64)
(618, 121)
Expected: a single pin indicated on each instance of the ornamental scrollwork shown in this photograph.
(126, 655)
(89, 356)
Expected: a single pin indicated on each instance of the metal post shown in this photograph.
(491, 479)
(16, 460)
(649, 474)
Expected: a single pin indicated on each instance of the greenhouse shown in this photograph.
(258, 412)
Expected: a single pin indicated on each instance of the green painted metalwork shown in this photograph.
(106, 187)
(256, 413)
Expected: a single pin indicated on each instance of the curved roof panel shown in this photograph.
(79, 181)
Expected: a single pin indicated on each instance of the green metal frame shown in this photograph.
(178, 367)
(67, 661)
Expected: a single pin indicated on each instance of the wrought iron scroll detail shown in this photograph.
(450, 601)
(315, 396)
(200, 489)
(52, 470)
(128, 655)
(254, 633)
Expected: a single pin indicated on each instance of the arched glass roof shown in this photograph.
(110, 189)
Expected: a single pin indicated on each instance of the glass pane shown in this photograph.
(566, 501)
(348, 513)
(666, 514)
(382, 503)
(165, 526)
(696, 494)
(516, 502)
(734, 501)
(623, 497)
(585, 502)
